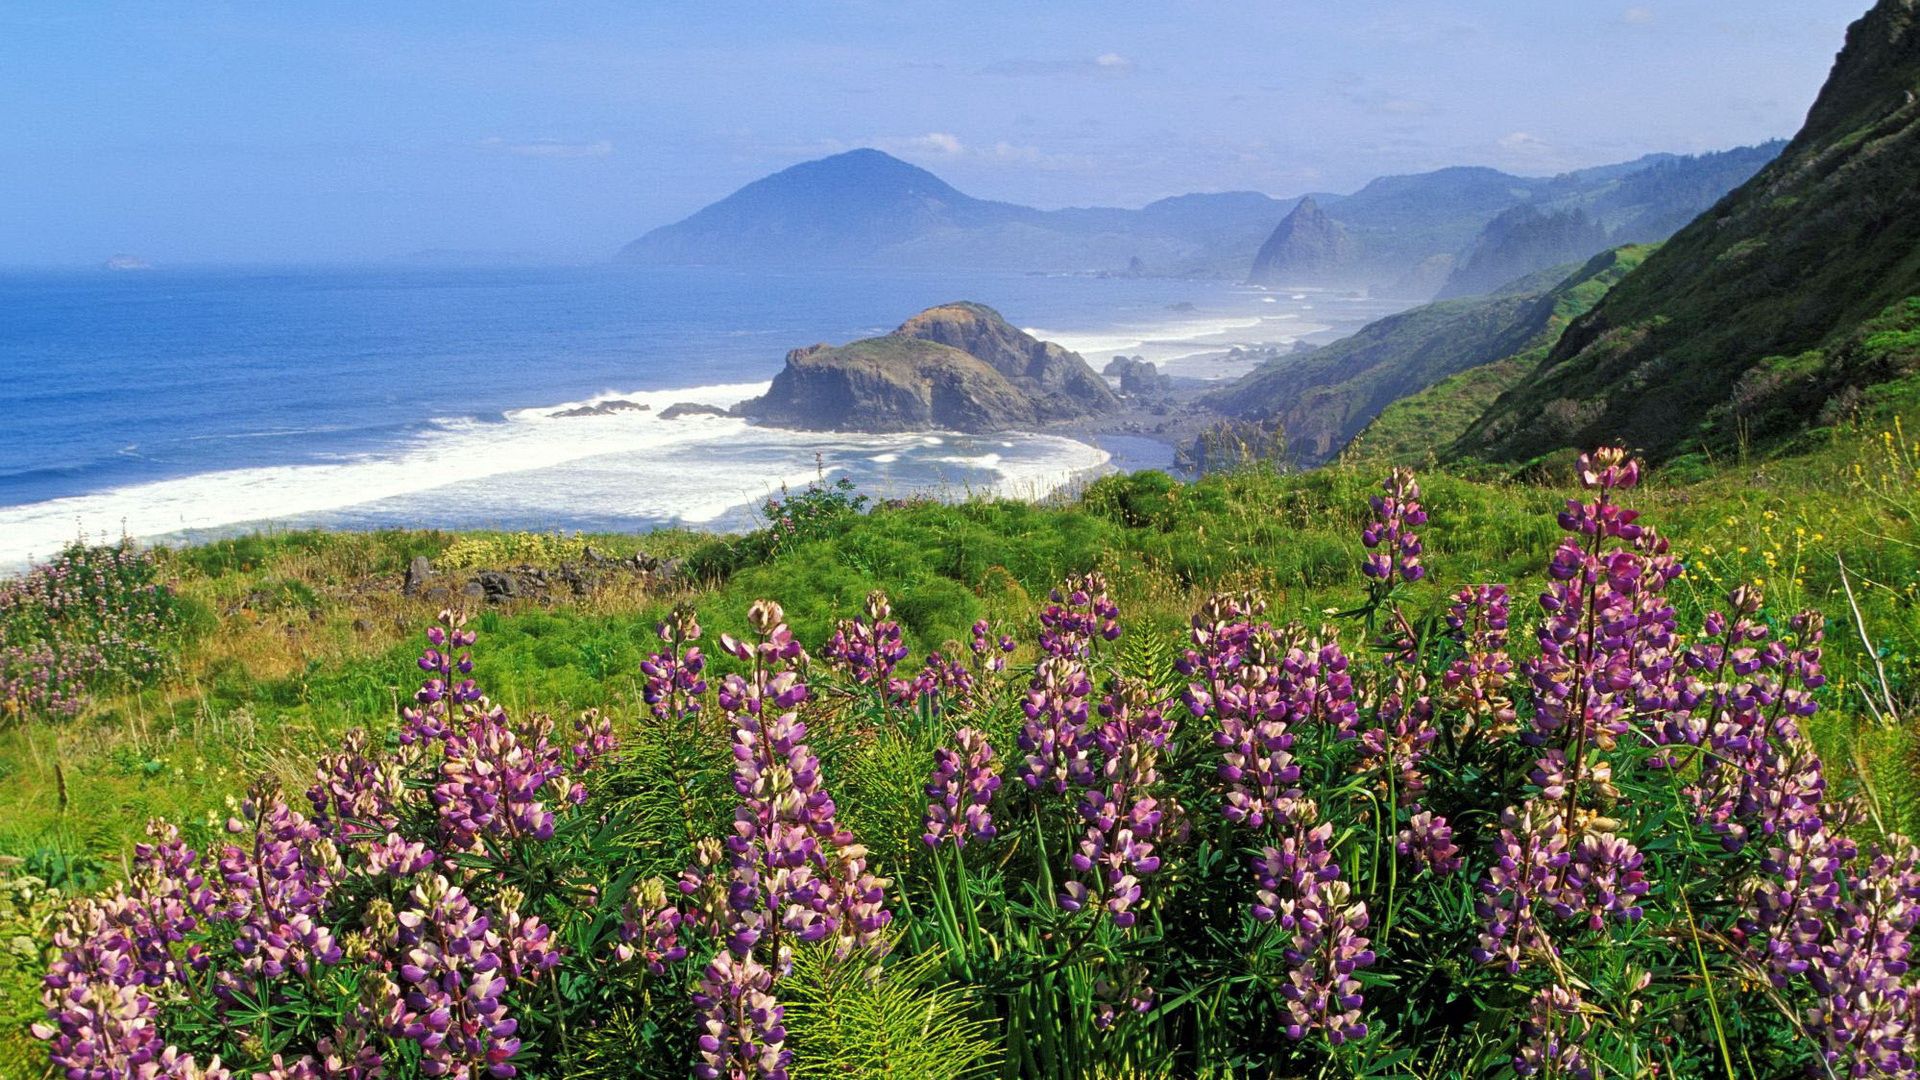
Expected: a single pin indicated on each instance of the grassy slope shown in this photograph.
(1416, 428)
(1328, 396)
(1820, 241)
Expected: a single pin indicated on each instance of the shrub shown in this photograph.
(92, 619)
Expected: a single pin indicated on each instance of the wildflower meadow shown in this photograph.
(1545, 831)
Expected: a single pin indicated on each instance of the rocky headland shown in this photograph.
(956, 367)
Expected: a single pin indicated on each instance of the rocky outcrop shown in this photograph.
(690, 408)
(1058, 383)
(1137, 376)
(603, 408)
(890, 384)
(957, 367)
(1306, 248)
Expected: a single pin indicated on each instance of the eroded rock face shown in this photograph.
(957, 367)
(1059, 383)
(1307, 247)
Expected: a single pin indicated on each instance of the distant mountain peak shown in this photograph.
(1307, 246)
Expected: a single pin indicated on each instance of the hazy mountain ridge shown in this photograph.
(866, 208)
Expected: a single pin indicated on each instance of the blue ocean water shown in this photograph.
(183, 402)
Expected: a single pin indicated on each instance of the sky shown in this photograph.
(246, 132)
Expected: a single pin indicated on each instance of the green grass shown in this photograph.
(306, 636)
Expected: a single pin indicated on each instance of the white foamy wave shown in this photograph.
(533, 469)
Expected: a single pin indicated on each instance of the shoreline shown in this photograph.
(575, 466)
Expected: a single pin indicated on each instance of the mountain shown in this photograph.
(1789, 304)
(1521, 241)
(838, 208)
(866, 208)
(956, 367)
(1324, 398)
(1306, 247)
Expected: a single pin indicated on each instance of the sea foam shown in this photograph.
(531, 469)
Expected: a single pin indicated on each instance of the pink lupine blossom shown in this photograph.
(650, 928)
(741, 1035)
(674, 683)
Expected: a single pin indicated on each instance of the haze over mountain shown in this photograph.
(868, 208)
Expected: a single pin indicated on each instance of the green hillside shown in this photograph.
(1776, 311)
(1323, 399)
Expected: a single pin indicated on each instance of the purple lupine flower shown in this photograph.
(741, 1036)
(594, 740)
(1748, 694)
(789, 872)
(454, 975)
(1427, 840)
(102, 1017)
(866, 650)
(1603, 877)
(358, 794)
(1529, 858)
(1400, 740)
(1395, 547)
(1056, 708)
(1478, 683)
(1607, 655)
(1078, 615)
(989, 653)
(1121, 812)
(448, 688)
(1551, 1035)
(1865, 1009)
(943, 682)
(278, 886)
(499, 784)
(674, 684)
(649, 928)
(1300, 889)
(964, 782)
(1126, 993)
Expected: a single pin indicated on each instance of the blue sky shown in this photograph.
(270, 132)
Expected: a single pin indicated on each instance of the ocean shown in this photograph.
(183, 404)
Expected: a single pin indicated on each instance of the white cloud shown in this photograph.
(548, 148)
(1638, 16)
(1524, 142)
(948, 146)
(1112, 61)
(944, 143)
